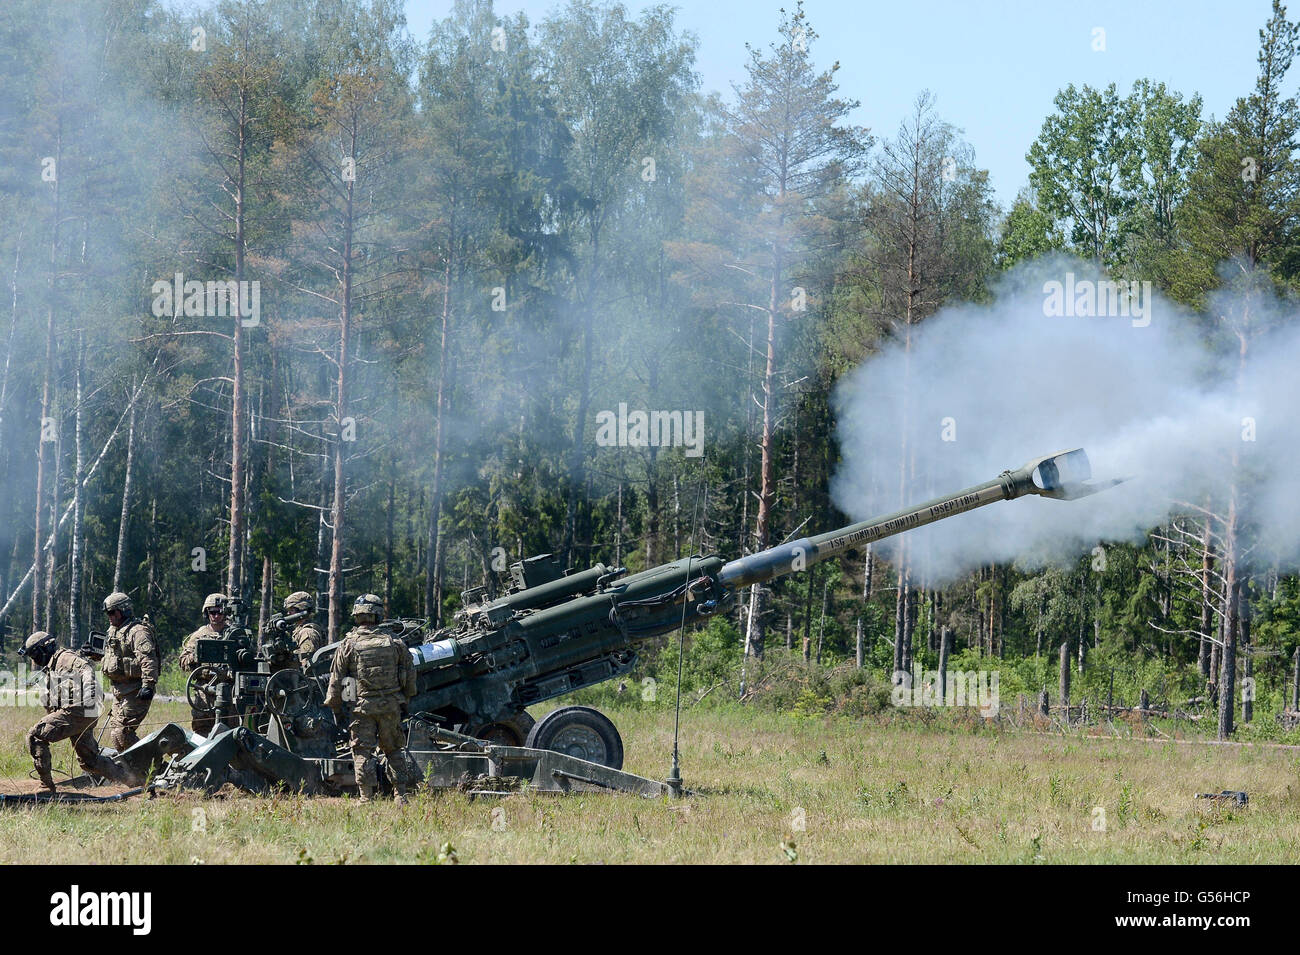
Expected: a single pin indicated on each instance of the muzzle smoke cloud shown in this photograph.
(987, 387)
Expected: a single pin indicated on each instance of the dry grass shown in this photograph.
(864, 792)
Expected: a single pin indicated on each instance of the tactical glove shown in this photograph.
(145, 694)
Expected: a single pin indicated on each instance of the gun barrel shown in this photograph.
(1061, 476)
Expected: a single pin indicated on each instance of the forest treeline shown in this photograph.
(455, 257)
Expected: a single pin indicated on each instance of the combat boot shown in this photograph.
(41, 757)
(366, 793)
(399, 797)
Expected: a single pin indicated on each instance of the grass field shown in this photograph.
(768, 789)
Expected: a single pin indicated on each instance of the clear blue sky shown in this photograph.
(993, 66)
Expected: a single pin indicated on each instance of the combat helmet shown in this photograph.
(300, 601)
(369, 604)
(39, 647)
(214, 602)
(118, 601)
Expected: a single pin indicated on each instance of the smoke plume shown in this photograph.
(1163, 398)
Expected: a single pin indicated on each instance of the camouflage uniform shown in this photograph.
(71, 700)
(307, 638)
(383, 673)
(200, 721)
(131, 664)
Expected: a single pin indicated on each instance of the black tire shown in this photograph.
(582, 732)
(513, 731)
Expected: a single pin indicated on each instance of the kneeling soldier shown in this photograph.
(71, 700)
(380, 668)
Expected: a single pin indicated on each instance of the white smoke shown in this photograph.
(987, 387)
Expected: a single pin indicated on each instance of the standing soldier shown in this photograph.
(71, 700)
(381, 670)
(131, 664)
(307, 637)
(214, 610)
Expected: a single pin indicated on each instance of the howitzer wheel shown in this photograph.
(582, 732)
(509, 732)
(290, 692)
(200, 688)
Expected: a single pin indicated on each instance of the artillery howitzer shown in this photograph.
(550, 634)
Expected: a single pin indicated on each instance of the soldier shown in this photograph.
(131, 664)
(214, 609)
(71, 700)
(307, 637)
(381, 670)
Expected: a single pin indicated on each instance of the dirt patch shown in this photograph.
(22, 787)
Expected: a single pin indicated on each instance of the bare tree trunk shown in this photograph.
(677, 517)
(909, 626)
(652, 524)
(267, 603)
(56, 498)
(743, 535)
(618, 528)
(577, 459)
(1231, 590)
(67, 512)
(754, 635)
(9, 342)
(860, 650)
(1064, 687)
(945, 650)
(900, 608)
(1207, 601)
(807, 617)
(322, 528)
(79, 475)
(47, 399)
(339, 503)
(821, 624)
(238, 449)
(388, 544)
(434, 553)
(1295, 680)
(1247, 660)
(125, 519)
